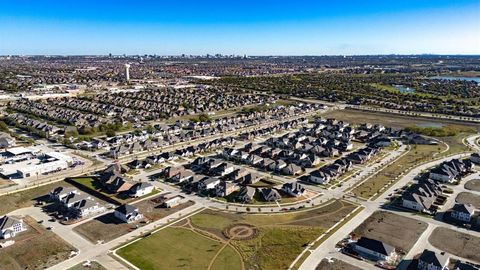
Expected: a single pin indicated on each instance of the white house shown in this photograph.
(141, 189)
(416, 202)
(375, 249)
(319, 177)
(127, 213)
(173, 201)
(10, 226)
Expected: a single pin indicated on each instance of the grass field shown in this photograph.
(468, 198)
(179, 248)
(26, 198)
(35, 248)
(393, 120)
(278, 240)
(473, 185)
(90, 185)
(335, 265)
(459, 244)
(398, 231)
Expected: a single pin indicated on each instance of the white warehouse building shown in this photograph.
(54, 162)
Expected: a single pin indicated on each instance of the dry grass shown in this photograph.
(35, 248)
(468, 198)
(473, 185)
(392, 120)
(417, 155)
(459, 244)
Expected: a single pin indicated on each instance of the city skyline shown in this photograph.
(267, 28)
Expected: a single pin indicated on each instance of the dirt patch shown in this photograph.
(468, 198)
(152, 211)
(395, 230)
(35, 248)
(473, 185)
(240, 232)
(459, 244)
(335, 264)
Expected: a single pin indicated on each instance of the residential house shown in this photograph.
(374, 249)
(208, 183)
(431, 260)
(270, 194)
(182, 176)
(475, 158)
(246, 194)
(10, 226)
(127, 213)
(291, 169)
(171, 202)
(319, 177)
(141, 189)
(249, 178)
(85, 207)
(463, 212)
(294, 189)
(225, 188)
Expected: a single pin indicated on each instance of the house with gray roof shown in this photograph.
(374, 249)
(10, 226)
(127, 213)
(431, 260)
(463, 212)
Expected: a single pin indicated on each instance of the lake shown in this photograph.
(450, 78)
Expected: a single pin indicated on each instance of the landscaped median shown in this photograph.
(299, 261)
(223, 240)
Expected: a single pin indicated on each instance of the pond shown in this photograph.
(450, 78)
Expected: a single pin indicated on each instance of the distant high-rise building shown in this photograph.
(127, 72)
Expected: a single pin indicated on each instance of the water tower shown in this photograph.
(127, 72)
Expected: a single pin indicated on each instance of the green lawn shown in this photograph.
(280, 238)
(178, 248)
(26, 198)
(227, 259)
(90, 183)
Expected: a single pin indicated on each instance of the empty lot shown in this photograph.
(468, 198)
(335, 265)
(459, 244)
(395, 230)
(473, 185)
(35, 248)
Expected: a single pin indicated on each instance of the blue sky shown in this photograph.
(240, 27)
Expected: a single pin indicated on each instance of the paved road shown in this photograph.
(328, 247)
(98, 251)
